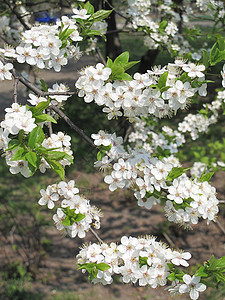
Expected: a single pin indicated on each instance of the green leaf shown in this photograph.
(142, 261)
(117, 70)
(164, 89)
(79, 217)
(31, 169)
(87, 266)
(163, 25)
(123, 76)
(92, 33)
(39, 108)
(109, 63)
(176, 172)
(35, 136)
(31, 157)
(205, 58)
(58, 155)
(122, 59)
(89, 8)
(18, 155)
(21, 135)
(99, 156)
(44, 118)
(13, 144)
(184, 77)
(66, 221)
(172, 276)
(206, 177)
(100, 15)
(162, 80)
(57, 167)
(130, 64)
(44, 86)
(102, 266)
(201, 272)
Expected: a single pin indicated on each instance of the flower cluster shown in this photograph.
(5, 71)
(75, 215)
(57, 100)
(186, 199)
(137, 260)
(147, 138)
(147, 16)
(195, 124)
(61, 142)
(191, 285)
(158, 92)
(43, 46)
(190, 200)
(18, 118)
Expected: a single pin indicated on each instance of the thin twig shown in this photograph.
(33, 88)
(19, 17)
(101, 56)
(219, 225)
(116, 11)
(73, 126)
(50, 125)
(96, 235)
(15, 91)
(171, 243)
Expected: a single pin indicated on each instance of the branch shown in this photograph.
(33, 88)
(96, 235)
(73, 126)
(101, 56)
(116, 11)
(16, 81)
(19, 17)
(219, 225)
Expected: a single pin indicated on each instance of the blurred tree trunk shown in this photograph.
(148, 60)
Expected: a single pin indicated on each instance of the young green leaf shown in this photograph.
(39, 108)
(162, 80)
(57, 155)
(130, 64)
(175, 172)
(206, 177)
(102, 266)
(44, 86)
(123, 76)
(57, 167)
(35, 136)
(44, 118)
(13, 144)
(100, 15)
(31, 157)
(122, 59)
(19, 154)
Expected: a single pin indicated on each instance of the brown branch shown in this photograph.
(73, 126)
(116, 11)
(101, 56)
(219, 225)
(19, 17)
(15, 91)
(33, 88)
(96, 235)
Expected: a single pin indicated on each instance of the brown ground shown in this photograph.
(121, 217)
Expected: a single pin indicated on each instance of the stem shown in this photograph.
(96, 235)
(73, 126)
(15, 92)
(101, 56)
